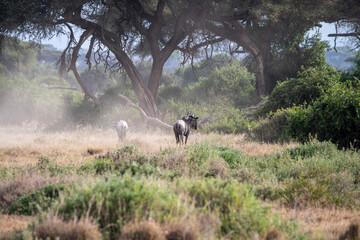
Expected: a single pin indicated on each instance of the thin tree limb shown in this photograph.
(149, 121)
(59, 87)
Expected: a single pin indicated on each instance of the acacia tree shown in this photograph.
(115, 27)
(269, 30)
(346, 17)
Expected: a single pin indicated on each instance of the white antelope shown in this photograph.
(121, 129)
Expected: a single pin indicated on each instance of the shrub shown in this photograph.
(119, 203)
(115, 202)
(335, 117)
(310, 84)
(41, 199)
(126, 160)
(271, 129)
(26, 183)
(55, 228)
(231, 82)
(230, 122)
(22, 100)
(142, 230)
(240, 214)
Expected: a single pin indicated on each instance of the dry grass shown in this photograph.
(321, 223)
(23, 146)
(142, 230)
(189, 228)
(55, 228)
(10, 189)
(10, 223)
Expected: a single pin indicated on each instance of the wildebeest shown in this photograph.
(121, 129)
(182, 128)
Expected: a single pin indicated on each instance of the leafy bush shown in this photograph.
(316, 174)
(335, 117)
(41, 199)
(203, 68)
(230, 122)
(22, 100)
(117, 202)
(232, 83)
(310, 84)
(272, 129)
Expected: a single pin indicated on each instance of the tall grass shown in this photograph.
(115, 202)
(205, 190)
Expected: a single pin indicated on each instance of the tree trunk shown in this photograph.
(155, 77)
(146, 99)
(149, 121)
(237, 34)
(249, 44)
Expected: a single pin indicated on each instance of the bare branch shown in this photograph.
(353, 34)
(59, 87)
(88, 54)
(62, 60)
(149, 121)
(72, 67)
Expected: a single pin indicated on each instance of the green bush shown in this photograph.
(128, 159)
(117, 201)
(231, 83)
(46, 166)
(114, 202)
(272, 129)
(41, 199)
(230, 122)
(317, 173)
(310, 84)
(335, 117)
(22, 100)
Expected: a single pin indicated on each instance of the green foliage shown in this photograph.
(167, 92)
(354, 73)
(231, 121)
(191, 74)
(117, 201)
(239, 212)
(232, 83)
(333, 117)
(272, 129)
(17, 56)
(46, 166)
(126, 160)
(294, 51)
(22, 100)
(114, 202)
(309, 84)
(41, 199)
(180, 107)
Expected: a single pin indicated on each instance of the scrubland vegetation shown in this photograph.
(219, 186)
(289, 169)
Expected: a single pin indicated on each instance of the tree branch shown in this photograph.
(59, 87)
(353, 34)
(72, 67)
(149, 121)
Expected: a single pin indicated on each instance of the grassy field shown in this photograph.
(225, 186)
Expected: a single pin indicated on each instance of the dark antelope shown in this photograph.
(182, 128)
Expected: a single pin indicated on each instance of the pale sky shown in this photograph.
(61, 42)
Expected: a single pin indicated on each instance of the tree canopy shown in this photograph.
(122, 32)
